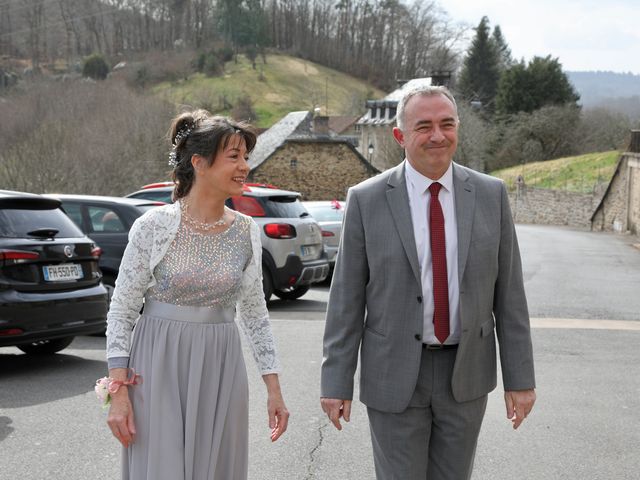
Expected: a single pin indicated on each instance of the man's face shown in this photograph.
(430, 134)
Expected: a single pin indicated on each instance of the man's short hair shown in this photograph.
(425, 90)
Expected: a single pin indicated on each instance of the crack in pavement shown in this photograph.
(312, 460)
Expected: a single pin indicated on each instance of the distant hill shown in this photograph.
(620, 91)
(282, 85)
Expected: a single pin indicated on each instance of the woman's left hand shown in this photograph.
(277, 410)
(278, 415)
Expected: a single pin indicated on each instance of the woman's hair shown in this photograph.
(199, 133)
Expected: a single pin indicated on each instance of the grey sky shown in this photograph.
(583, 34)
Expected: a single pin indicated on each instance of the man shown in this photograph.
(428, 268)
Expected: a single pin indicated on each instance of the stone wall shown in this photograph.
(319, 170)
(620, 209)
(552, 207)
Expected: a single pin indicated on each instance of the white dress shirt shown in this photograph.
(419, 199)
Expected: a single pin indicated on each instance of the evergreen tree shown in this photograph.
(481, 70)
(525, 88)
(504, 52)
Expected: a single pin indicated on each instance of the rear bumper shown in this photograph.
(314, 272)
(45, 316)
(295, 272)
(331, 252)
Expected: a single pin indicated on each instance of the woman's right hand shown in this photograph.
(120, 419)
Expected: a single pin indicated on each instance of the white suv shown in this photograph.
(293, 256)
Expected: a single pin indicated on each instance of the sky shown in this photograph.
(583, 34)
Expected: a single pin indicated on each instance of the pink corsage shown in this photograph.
(106, 386)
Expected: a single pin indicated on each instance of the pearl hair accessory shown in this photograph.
(181, 136)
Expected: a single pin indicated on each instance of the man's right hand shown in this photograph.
(336, 408)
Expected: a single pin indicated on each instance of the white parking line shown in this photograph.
(567, 323)
(585, 323)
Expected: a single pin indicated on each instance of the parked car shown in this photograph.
(50, 283)
(293, 256)
(328, 214)
(107, 221)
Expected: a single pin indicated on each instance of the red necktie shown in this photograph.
(439, 266)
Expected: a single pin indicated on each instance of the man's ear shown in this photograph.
(399, 136)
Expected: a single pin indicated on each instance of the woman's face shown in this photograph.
(229, 169)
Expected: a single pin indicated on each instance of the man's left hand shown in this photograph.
(519, 404)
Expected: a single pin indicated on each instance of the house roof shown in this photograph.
(391, 100)
(270, 140)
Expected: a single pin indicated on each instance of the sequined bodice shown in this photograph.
(204, 269)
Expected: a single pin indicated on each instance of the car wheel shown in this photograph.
(292, 293)
(267, 284)
(46, 347)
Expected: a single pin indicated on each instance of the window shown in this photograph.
(293, 163)
(105, 220)
(74, 212)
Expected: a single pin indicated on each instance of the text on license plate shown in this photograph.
(306, 251)
(58, 273)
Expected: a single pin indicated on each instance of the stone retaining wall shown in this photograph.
(552, 207)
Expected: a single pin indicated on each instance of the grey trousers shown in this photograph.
(435, 438)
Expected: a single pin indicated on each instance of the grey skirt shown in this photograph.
(191, 411)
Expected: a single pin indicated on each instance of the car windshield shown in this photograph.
(17, 223)
(325, 213)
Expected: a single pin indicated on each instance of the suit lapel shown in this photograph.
(398, 200)
(465, 199)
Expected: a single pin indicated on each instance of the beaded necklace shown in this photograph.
(196, 224)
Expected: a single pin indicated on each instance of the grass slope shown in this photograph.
(575, 174)
(287, 84)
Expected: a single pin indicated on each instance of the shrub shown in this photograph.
(212, 67)
(96, 67)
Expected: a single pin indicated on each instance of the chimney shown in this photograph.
(321, 125)
(634, 144)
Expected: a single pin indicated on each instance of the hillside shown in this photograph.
(575, 174)
(282, 85)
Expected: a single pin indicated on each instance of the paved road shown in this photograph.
(585, 425)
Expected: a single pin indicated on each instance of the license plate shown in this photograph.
(306, 251)
(61, 273)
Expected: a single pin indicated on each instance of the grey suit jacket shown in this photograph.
(375, 303)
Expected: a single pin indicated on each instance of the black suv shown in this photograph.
(50, 283)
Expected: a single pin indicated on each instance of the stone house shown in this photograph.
(619, 209)
(301, 153)
(375, 127)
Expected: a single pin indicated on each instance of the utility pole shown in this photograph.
(326, 95)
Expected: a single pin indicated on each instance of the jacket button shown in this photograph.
(418, 336)
(419, 299)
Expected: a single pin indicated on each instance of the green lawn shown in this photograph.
(282, 85)
(575, 174)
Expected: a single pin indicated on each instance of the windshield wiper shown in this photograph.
(43, 232)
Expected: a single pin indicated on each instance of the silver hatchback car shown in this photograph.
(328, 214)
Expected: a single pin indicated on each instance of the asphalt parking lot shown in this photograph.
(583, 290)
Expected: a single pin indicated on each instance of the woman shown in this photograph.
(196, 264)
